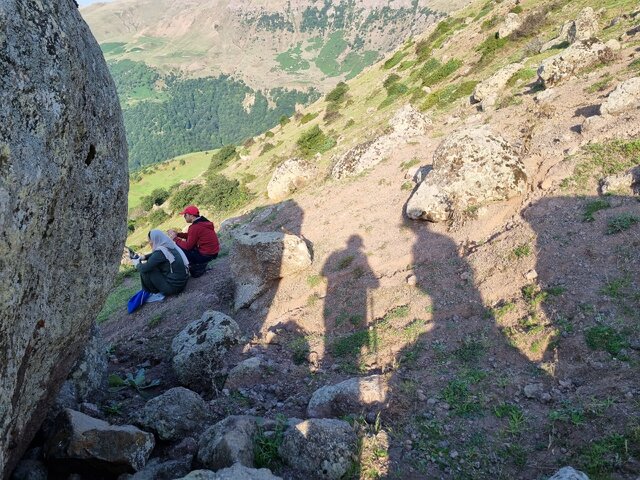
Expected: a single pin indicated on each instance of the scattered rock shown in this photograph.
(592, 124)
(175, 414)
(247, 373)
(626, 183)
(536, 391)
(158, 470)
(582, 54)
(531, 275)
(471, 167)
(407, 124)
(488, 90)
(228, 442)
(62, 145)
(412, 280)
(511, 23)
(352, 396)
(584, 27)
(320, 448)
(569, 473)
(626, 96)
(288, 177)
(236, 472)
(98, 445)
(200, 348)
(259, 258)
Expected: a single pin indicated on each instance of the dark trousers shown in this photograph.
(155, 282)
(198, 262)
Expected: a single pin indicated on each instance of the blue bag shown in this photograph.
(137, 300)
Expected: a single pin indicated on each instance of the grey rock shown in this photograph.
(247, 373)
(30, 470)
(228, 442)
(199, 349)
(625, 183)
(259, 258)
(167, 470)
(488, 90)
(175, 414)
(96, 444)
(355, 395)
(320, 448)
(567, 64)
(62, 148)
(626, 96)
(569, 473)
(584, 27)
(236, 472)
(471, 167)
(290, 176)
(90, 370)
(187, 447)
(511, 23)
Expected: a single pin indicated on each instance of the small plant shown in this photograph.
(112, 408)
(314, 141)
(406, 186)
(345, 262)
(267, 147)
(400, 311)
(155, 320)
(314, 280)
(338, 94)
(522, 251)
(600, 85)
(621, 223)
(409, 163)
(137, 381)
(350, 345)
(603, 337)
(265, 447)
(471, 350)
(306, 118)
(299, 347)
(514, 414)
(459, 398)
(501, 309)
(615, 287)
(593, 207)
(395, 60)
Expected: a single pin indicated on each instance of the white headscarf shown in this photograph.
(162, 242)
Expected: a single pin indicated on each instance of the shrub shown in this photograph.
(338, 94)
(184, 196)
(331, 117)
(221, 158)
(156, 217)
(531, 24)
(182, 161)
(156, 197)
(223, 194)
(314, 141)
(445, 96)
(443, 31)
(390, 80)
(266, 148)
(308, 117)
(395, 60)
(440, 73)
(284, 120)
(489, 48)
(423, 50)
(269, 134)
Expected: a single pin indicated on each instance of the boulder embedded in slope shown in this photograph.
(236, 472)
(569, 473)
(584, 27)
(199, 349)
(228, 442)
(625, 183)
(625, 96)
(567, 64)
(259, 258)
(511, 23)
(63, 205)
(488, 90)
(288, 177)
(353, 396)
(471, 167)
(94, 444)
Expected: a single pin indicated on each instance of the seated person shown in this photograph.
(200, 244)
(165, 270)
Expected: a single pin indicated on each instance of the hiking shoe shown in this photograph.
(155, 297)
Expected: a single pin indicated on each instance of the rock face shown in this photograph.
(626, 96)
(320, 448)
(582, 54)
(289, 177)
(626, 183)
(228, 442)
(175, 414)
(199, 349)
(406, 124)
(471, 167)
(511, 23)
(584, 27)
(487, 91)
(62, 150)
(96, 444)
(569, 473)
(259, 258)
(351, 396)
(91, 369)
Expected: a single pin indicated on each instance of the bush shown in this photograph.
(308, 117)
(423, 50)
(182, 161)
(431, 76)
(284, 120)
(393, 61)
(338, 94)
(489, 48)
(390, 80)
(249, 143)
(185, 196)
(266, 148)
(445, 96)
(131, 225)
(223, 194)
(156, 217)
(269, 134)
(221, 158)
(331, 117)
(156, 197)
(531, 24)
(314, 141)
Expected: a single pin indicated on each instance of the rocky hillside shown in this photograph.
(432, 272)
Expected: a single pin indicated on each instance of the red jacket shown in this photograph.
(201, 235)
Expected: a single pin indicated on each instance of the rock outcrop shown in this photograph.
(288, 177)
(511, 23)
(200, 347)
(320, 448)
(259, 258)
(352, 396)
(471, 167)
(488, 90)
(63, 205)
(626, 96)
(625, 183)
(569, 473)
(406, 124)
(580, 55)
(236, 472)
(94, 443)
(584, 27)
(228, 442)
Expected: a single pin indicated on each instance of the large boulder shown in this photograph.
(236, 472)
(569, 473)
(471, 167)
(175, 414)
(580, 55)
(405, 125)
(85, 441)
(626, 96)
(259, 258)
(63, 205)
(584, 27)
(353, 396)
(320, 448)
(511, 23)
(288, 177)
(488, 90)
(249, 372)
(199, 349)
(228, 442)
(90, 371)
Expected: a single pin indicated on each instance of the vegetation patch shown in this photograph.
(446, 96)
(395, 60)
(489, 48)
(221, 159)
(265, 447)
(307, 117)
(314, 141)
(433, 72)
(621, 223)
(603, 337)
(592, 207)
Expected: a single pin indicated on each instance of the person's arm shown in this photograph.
(153, 260)
(182, 235)
(191, 239)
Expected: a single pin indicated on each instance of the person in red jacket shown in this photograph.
(200, 244)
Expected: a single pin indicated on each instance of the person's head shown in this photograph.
(190, 213)
(158, 238)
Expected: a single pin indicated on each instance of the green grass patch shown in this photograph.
(314, 141)
(522, 251)
(471, 350)
(314, 280)
(351, 345)
(489, 48)
(444, 30)
(446, 96)
(600, 85)
(400, 311)
(307, 117)
(605, 456)
(116, 301)
(621, 223)
(394, 60)
(326, 60)
(292, 61)
(592, 207)
(604, 159)
(338, 94)
(460, 398)
(603, 337)
(266, 447)
(522, 75)
(433, 72)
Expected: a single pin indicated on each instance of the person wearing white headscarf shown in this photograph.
(165, 270)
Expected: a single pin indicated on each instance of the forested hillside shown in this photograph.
(169, 115)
